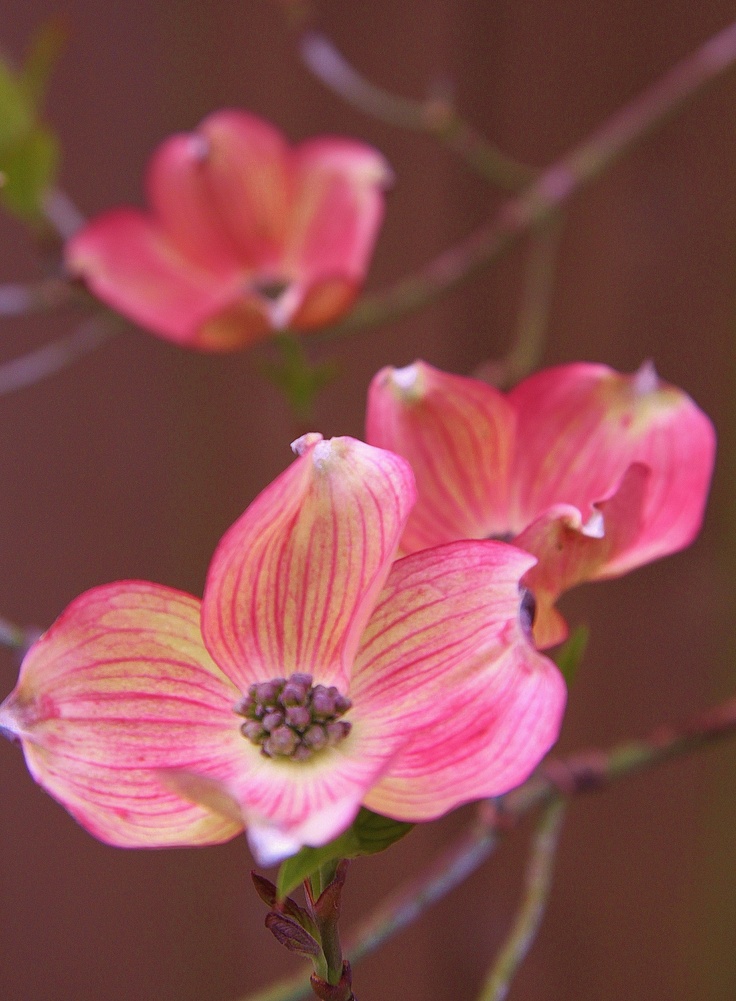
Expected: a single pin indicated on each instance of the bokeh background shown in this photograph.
(134, 461)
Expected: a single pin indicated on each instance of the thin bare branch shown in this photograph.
(531, 326)
(51, 358)
(435, 117)
(538, 885)
(553, 188)
(18, 299)
(62, 213)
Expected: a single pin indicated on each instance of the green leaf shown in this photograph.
(29, 168)
(16, 110)
(44, 49)
(296, 376)
(570, 655)
(370, 833)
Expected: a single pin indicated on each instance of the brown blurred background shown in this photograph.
(134, 461)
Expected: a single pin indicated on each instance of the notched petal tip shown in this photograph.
(199, 147)
(595, 526)
(407, 382)
(301, 445)
(645, 379)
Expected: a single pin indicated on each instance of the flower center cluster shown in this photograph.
(292, 718)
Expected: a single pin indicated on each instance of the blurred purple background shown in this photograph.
(133, 462)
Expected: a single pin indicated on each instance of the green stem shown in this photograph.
(538, 885)
(526, 350)
(552, 189)
(562, 777)
(434, 117)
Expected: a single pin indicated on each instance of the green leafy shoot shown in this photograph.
(29, 150)
(296, 376)
(42, 55)
(570, 655)
(369, 834)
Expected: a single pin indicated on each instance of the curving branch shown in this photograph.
(19, 299)
(534, 904)
(552, 189)
(435, 116)
(57, 355)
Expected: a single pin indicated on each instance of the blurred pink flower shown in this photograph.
(592, 472)
(245, 235)
(315, 675)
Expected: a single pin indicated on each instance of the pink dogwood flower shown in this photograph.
(246, 235)
(591, 471)
(316, 675)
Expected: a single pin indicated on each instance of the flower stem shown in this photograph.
(562, 777)
(538, 885)
(552, 189)
(435, 117)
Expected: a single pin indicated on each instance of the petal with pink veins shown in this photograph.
(119, 690)
(581, 426)
(289, 804)
(446, 663)
(570, 551)
(292, 583)
(458, 435)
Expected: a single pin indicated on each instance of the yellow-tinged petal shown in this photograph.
(118, 691)
(458, 435)
(293, 582)
(446, 661)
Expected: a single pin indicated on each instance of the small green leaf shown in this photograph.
(28, 168)
(16, 111)
(570, 655)
(296, 376)
(44, 49)
(370, 833)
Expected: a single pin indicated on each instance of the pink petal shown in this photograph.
(116, 693)
(292, 583)
(247, 167)
(337, 210)
(180, 195)
(570, 551)
(289, 804)
(238, 325)
(581, 427)
(445, 662)
(132, 266)
(322, 303)
(458, 435)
